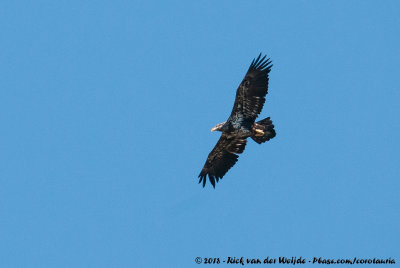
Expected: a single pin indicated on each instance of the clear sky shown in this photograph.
(106, 109)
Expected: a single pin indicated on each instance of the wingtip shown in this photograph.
(212, 180)
(262, 64)
(203, 179)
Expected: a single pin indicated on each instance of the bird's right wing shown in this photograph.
(222, 158)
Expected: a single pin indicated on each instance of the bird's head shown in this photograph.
(218, 127)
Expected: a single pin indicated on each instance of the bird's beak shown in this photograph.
(213, 129)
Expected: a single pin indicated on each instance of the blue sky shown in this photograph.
(106, 109)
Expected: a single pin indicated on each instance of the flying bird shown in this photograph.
(241, 124)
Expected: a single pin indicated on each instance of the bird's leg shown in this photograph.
(258, 132)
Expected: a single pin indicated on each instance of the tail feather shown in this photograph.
(267, 128)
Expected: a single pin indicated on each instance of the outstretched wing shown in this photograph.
(222, 158)
(250, 96)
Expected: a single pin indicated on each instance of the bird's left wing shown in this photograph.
(250, 96)
(222, 158)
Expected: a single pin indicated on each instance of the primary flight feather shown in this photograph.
(250, 99)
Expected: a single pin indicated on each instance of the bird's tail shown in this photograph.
(263, 131)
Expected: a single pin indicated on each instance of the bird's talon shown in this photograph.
(259, 132)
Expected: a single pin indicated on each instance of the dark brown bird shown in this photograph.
(250, 99)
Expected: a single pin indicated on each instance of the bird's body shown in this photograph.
(250, 98)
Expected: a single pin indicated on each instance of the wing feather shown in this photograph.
(222, 158)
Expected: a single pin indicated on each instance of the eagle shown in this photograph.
(241, 124)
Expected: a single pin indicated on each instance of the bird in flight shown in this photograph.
(241, 124)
